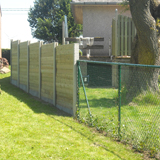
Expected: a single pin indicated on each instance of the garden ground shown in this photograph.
(32, 129)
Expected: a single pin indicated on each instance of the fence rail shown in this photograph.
(47, 72)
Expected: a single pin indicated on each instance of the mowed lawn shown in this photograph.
(140, 118)
(32, 129)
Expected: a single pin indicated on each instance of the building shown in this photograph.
(96, 17)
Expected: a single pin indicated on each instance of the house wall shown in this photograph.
(97, 22)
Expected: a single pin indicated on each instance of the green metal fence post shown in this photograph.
(85, 94)
(119, 105)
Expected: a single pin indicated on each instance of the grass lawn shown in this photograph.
(32, 129)
(140, 119)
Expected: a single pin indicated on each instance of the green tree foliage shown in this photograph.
(46, 17)
(125, 5)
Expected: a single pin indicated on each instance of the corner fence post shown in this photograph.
(78, 93)
(119, 99)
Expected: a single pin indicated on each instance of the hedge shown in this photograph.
(6, 54)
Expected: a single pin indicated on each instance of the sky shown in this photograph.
(14, 25)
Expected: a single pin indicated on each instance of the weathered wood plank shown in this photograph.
(47, 83)
(22, 81)
(64, 103)
(65, 86)
(67, 71)
(46, 95)
(34, 88)
(47, 76)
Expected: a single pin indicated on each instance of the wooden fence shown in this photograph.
(123, 33)
(47, 72)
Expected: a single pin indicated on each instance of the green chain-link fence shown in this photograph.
(122, 101)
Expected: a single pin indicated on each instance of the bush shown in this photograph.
(6, 54)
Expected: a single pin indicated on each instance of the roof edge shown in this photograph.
(95, 3)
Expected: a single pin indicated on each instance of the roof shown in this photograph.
(97, 1)
(77, 7)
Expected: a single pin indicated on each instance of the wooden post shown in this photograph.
(63, 39)
(54, 72)
(75, 58)
(28, 43)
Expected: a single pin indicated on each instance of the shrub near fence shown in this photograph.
(47, 72)
(126, 116)
(6, 54)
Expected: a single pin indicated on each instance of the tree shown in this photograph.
(46, 17)
(145, 48)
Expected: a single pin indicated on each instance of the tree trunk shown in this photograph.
(145, 48)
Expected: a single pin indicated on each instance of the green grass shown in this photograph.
(32, 129)
(140, 119)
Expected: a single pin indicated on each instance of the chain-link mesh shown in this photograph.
(123, 102)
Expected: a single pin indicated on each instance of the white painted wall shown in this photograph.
(97, 22)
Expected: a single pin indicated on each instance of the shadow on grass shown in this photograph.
(101, 102)
(36, 104)
(39, 106)
(90, 139)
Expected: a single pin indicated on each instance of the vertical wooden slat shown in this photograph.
(119, 35)
(126, 35)
(122, 35)
(129, 37)
(113, 37)
(116, 18)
